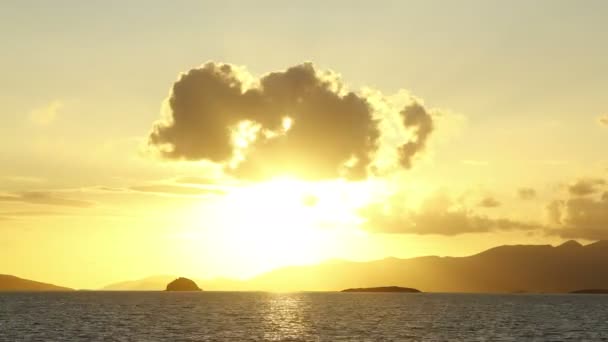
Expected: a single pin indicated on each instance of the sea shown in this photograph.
(305, 316)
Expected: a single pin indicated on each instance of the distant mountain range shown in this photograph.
(12, 283)
(505, 269)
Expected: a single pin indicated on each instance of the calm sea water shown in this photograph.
(247, 316)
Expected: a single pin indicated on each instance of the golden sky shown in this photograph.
(225, 140)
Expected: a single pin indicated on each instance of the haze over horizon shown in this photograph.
(232, 139)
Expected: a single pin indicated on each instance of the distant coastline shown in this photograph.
(534, 269)
(591, 291)
(385, 289)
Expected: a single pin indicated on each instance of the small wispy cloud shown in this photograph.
(9, 214)
(176, 190)
(489, 202)
(195, 180)
(439, 214)
(526, 193)
(44, 197)
(46, 114)
(552, 162)
(23, 179)
(603, 120)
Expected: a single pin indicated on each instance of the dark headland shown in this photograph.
(591, 291)
(383, 289)
(182, 284)
(12, 283)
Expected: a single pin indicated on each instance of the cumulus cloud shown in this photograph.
(416, 118)
(489, 202)
(586, 186)
(554, 211)
(43, 197)
(300, 122)
(603, 120)
(584, 214)
(526, 193)
(581, 217)
(438, 214)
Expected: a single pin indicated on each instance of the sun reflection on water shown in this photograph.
(285, 317)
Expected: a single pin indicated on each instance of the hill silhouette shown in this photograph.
(152, 283)
(12, 283)
(182, 284)
(504, 269)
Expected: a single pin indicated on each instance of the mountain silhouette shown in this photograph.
(521, 268)
(504, 269)
(12, 283)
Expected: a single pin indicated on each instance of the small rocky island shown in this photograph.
(183, 284)
(383, 289)
(591, 291)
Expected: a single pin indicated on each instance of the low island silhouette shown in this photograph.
(591, 291)
(183, 284)
(383, 289)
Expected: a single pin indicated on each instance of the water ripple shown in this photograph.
(251, 316)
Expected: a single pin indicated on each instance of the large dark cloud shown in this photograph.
(584, 217)
(439, 215)
(333, 133)
(44, 197)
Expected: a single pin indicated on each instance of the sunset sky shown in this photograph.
(225, 139)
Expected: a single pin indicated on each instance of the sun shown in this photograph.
(284, 221)
(276, 219)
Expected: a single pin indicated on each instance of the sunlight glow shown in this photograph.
(286, 221)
